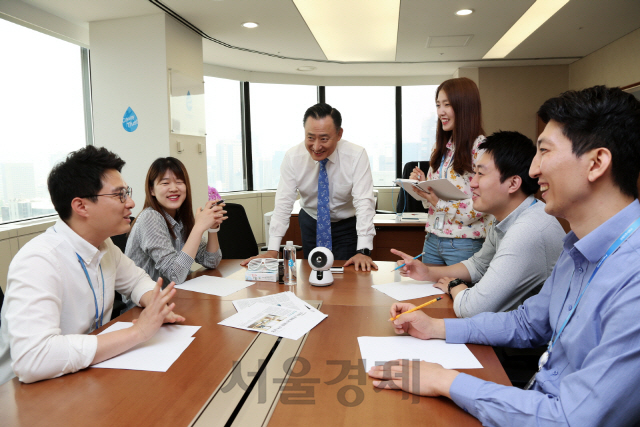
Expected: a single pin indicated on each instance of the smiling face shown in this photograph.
(109, 214)
(170, 192)
(446, 115)
(562, 176)
(321, 137)
(489, 194)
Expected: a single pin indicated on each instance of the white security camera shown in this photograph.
(321, 260)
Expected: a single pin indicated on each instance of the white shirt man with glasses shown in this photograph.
(61, 284)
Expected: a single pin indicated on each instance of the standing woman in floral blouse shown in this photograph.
(455, 231)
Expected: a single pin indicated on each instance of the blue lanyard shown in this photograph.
(95, 300)
(624, 236)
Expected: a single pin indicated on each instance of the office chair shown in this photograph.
(406, 203)
(235, 236)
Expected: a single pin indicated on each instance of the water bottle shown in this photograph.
(290, 271)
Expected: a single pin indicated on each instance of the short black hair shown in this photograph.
(512, 154)
(80, 175)
(322, 110)
(601, 117)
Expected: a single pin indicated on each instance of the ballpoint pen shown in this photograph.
(415, 257)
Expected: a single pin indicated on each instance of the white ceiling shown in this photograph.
(283, 42)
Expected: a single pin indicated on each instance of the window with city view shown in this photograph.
(276, 125)
(369, 120)
(224, 134)
(419, 122)
(41, 115)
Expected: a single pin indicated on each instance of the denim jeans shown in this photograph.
(445, 250)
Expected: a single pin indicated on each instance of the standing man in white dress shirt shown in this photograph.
(325, 157)
(61, 284)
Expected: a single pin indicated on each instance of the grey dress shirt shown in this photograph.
(516, 258)
(152, 248)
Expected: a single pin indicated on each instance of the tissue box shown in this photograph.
(261, 276)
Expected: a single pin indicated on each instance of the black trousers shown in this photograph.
(344, 237)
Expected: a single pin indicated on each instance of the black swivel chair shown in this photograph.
(406, 203)
(235, 236)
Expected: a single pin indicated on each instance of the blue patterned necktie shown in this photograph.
(323, 227)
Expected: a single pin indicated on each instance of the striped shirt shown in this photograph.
(152, 248)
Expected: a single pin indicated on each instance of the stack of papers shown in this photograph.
(157, 354)
(214, 285)
(283, 315)
(379, 350)
(408, 289)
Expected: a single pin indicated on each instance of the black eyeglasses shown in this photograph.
(123, 194)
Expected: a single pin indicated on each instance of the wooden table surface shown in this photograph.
(351, 288)
(354, 400)
(111, 397)
(103, 396)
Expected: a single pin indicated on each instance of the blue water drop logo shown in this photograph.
(130, 120)
(189, 102)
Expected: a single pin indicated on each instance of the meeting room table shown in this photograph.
(233, 377)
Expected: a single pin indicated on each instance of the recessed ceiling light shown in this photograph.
(358, 32)
(528, 23)
(250, 24)
(463, 12)
(306, 68)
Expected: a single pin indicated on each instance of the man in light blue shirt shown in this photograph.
(587, 165)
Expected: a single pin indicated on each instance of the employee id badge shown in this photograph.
(438, 224)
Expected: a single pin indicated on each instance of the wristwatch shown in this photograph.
(454, 283)
(364, 251)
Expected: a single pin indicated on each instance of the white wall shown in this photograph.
(129, 69)
(130, 62)
(617, 64)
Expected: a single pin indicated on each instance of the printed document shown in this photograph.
(214, 285)
(156, 354)
(275, 320)
(379, 350)
(283, 299)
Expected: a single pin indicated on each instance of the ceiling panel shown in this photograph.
(578, 29)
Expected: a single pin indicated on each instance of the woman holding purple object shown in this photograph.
(166, 237)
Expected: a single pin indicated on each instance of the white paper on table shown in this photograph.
(378, 350)
(408, 289)
(214, 285)
(273, 320)
(156, 354)
(283, 299)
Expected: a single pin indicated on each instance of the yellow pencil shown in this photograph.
(417, 308)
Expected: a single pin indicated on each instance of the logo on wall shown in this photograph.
(130, 120)
(189, 101)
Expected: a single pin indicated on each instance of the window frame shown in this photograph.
(247, 156)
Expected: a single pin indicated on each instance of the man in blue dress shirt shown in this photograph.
(587, 163)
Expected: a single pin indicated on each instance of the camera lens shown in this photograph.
(319, 260)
